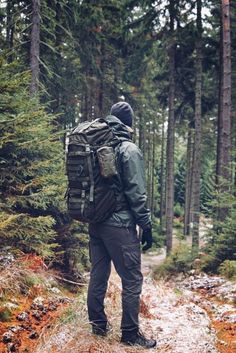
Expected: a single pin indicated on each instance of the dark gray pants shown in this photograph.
(122, 247)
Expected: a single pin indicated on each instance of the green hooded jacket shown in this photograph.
(129, 185)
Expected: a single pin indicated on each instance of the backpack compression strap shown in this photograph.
(90, 168)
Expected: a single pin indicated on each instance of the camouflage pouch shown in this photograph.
(107, 161)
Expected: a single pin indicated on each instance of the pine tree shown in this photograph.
(31, 166)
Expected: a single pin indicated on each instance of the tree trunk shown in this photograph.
(58, 68)
(85, 105)
(220, 100)
(188, 184)
(162, 177)
(88, 107)
(34, 47)
(224, 123)
(149, 164)
(195, 209)
(170, 151)
(233, 178)
(101, 83)
(142, 135)
(153, 169)
(135, 129)
(170, 133)
(10, 29)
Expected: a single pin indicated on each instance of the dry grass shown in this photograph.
(172, 318)
(19, 278)
(14, 280)
(73, 333)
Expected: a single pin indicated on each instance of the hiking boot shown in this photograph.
(136, 338)
(101, 330)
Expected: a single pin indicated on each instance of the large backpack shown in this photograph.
(90, 168)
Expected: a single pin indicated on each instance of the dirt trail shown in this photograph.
(188, 314)
(181, 314)
(214, 295)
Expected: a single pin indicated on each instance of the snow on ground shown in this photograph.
(179, 325)
(167, 314)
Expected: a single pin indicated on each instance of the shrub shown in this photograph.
(31, 280)
(178, 210)
(180, 261)
(5, 314)
(222, 238)
(158, 237)
(228, 269)
(178, 223)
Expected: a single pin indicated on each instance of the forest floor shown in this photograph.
(187, 314)
(191, 313)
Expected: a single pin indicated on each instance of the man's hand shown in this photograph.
(147, 238)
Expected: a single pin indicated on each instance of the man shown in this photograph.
(116, 238)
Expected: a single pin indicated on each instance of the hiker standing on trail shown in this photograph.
(116, 239)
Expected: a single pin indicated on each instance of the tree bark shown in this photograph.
(153, 169)
(170, 151)
(188, 184)
(170, 133)
(162, 177)
(149, 165)
(10, 29)
(142, 135)
(220, 100)
(58, 43)
(101, 83)
(34, 47)
(195, 209)
(224, 119)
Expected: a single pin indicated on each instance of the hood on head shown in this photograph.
(124, 112)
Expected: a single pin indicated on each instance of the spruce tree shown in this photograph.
(31, 166)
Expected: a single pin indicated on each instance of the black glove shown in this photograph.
(147, 238)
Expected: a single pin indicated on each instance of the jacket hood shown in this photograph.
(124, 112)
(121, 130)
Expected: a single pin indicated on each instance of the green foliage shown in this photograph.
(180, 261)
(29, 233)
(72, 314)
(222, 238)
(178, 225)
(178, 210)
(5, 314)
(88, 60)
(69, 316)
(32, 280)
(31, 166)
(74, 239)
(158, 237)
(179, 184)
(228, 269)
(208, 177)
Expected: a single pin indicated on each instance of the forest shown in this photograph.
(65, 62)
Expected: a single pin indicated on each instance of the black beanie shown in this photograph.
(124, 112)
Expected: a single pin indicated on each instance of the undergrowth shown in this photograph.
(228, 269)
(24, 277)
(180, 261)
(5, 314)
